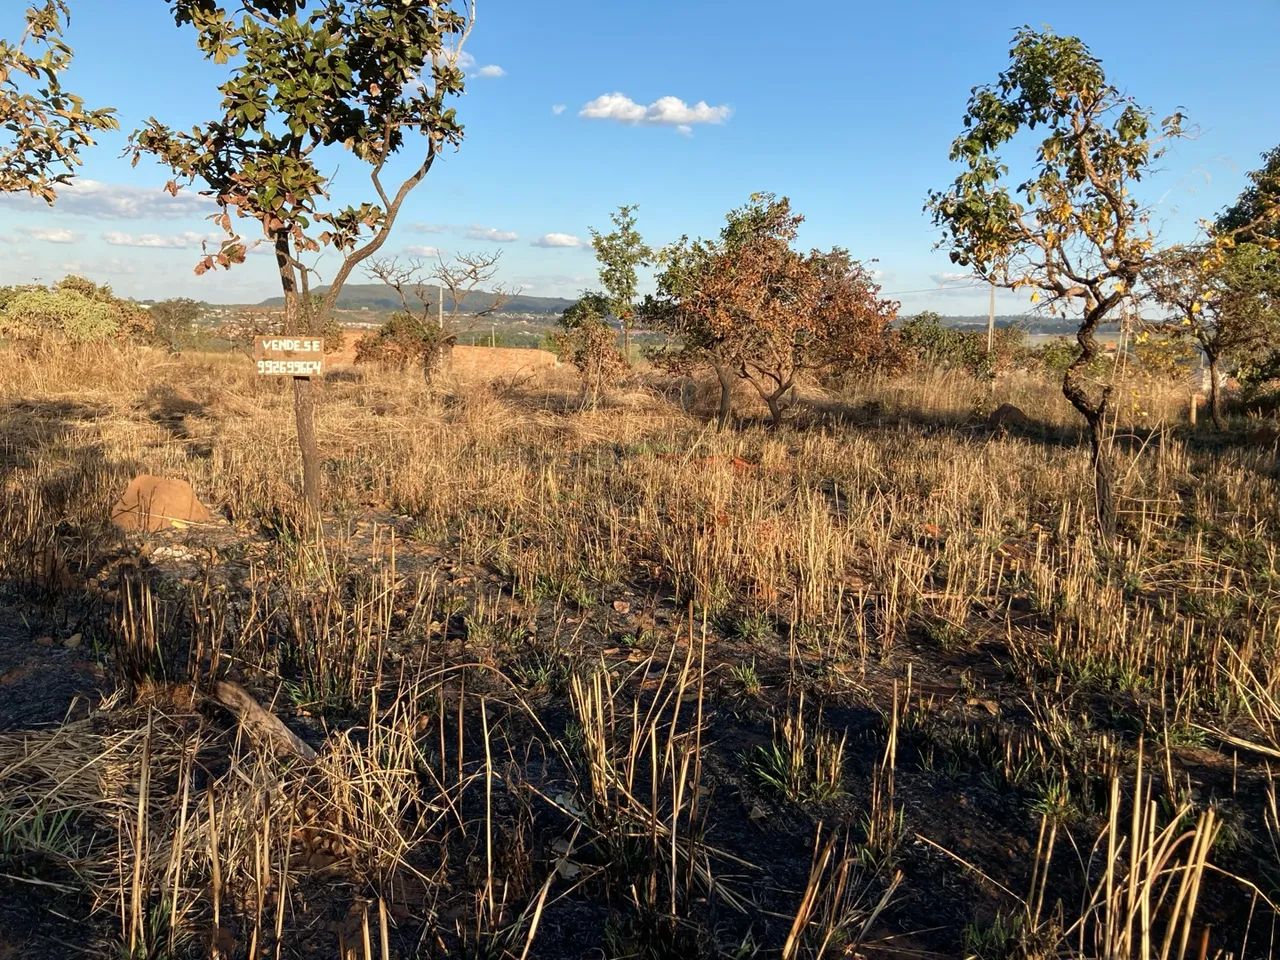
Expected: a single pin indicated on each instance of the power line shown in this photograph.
(903, 293)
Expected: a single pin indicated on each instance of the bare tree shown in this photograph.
(423, 327)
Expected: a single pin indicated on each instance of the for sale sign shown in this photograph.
(289, 356)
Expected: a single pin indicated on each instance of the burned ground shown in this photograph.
(608, 683)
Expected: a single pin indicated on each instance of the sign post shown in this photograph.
(289, 356)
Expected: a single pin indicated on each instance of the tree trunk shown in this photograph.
(1215, 395)
(304, 406)
(432, 362)
(1094, 411)
(726, 395)
(775, 410)
(1103, 480)
(776, 402)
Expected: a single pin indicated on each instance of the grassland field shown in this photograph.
(606, 682)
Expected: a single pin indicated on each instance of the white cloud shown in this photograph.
(558, 109)
(428, 227)
(492, 71)
(491, 234)
(118, 201)
(181, 241)
(465, 60)
(51, 234)
(614, 106)
(558, 240)
(665, 111)
(427, 253)
(101, 270)
(674, 111)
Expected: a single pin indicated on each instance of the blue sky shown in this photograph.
(848, 108)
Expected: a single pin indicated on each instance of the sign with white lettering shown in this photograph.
(289, 356)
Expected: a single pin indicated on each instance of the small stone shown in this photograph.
(73, 642)
(567, 869)
(621, 606)
(45, 641)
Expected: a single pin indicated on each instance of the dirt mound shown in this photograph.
(1006, 416)
(154, 503)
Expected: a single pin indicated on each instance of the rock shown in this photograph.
(1007, 415)
(155, 503)
(174, 553)
(73, 641)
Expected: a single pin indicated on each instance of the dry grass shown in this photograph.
(520, 645)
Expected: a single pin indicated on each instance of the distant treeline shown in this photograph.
(1032, 323)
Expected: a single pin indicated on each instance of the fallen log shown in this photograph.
(261, 725)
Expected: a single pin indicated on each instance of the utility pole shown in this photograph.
(991, 320)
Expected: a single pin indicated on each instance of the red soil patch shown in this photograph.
(472, 363)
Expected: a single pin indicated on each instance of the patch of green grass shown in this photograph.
(745, 675)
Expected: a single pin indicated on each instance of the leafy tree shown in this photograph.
(423, 330)
(175, 320)
(1225, 299)
(929, 343)
(926, 341)
(74, 310)
(1065, 224)
(1255, 216)
(620, 253)
(396, 344)
(306, 81)
(44, 127)
(587, 341)
(682, 309)
(1056, 356)
(751, 306)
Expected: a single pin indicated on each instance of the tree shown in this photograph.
(752, 307)
(927, 342)
(422, 329)
(620, 253)
(587, 342)
(682, 309)
(1067, 225)
(45, 127)
(74, 310)
(1226, 299)
(174, 321)
(1255, 216)
(307, 81)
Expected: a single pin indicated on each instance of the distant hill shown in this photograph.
(1032, 323)
(378, 296)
